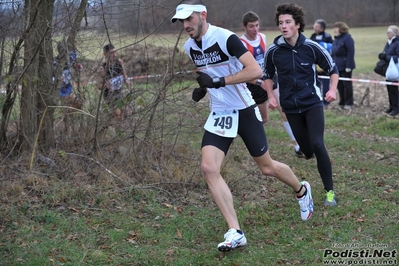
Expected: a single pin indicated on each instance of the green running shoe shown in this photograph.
(331, 199)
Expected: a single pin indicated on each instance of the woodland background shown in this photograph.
(79, 188)
(32, 112)
(29, 30)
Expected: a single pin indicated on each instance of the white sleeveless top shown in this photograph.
(214, 60)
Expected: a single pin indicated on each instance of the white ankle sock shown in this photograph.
(287, 128)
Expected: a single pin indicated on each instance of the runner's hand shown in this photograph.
(273, 103)
(205, 81)
(198, 94)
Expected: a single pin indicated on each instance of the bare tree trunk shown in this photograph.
(36, 95)
(12, 86)
(28, 126)
(46, 95)
(76, 24)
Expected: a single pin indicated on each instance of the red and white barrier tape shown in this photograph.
(156, 75)
(364, 80)
(323, 77)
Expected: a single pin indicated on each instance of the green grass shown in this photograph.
(82, 215)
(66, 224)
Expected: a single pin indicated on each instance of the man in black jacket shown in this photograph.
(300, 95)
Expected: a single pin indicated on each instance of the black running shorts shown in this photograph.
(250, 129)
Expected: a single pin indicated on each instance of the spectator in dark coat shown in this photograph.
(391, 50)
(343, 53)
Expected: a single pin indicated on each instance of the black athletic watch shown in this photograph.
(258, 82)
(218, 82)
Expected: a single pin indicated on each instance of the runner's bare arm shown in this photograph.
(101, 78)
(127, 81)
(249, 73)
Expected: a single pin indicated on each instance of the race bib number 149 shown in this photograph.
(224, 124)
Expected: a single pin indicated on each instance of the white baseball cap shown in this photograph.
(183, 11)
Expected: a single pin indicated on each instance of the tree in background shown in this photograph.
(38, 96)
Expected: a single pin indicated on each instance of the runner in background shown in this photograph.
(112, 76)
(255, 42)
(65, 82)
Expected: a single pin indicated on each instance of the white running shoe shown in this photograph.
(232, 239)
(306, 202)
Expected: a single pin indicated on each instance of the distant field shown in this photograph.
(369, 41)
